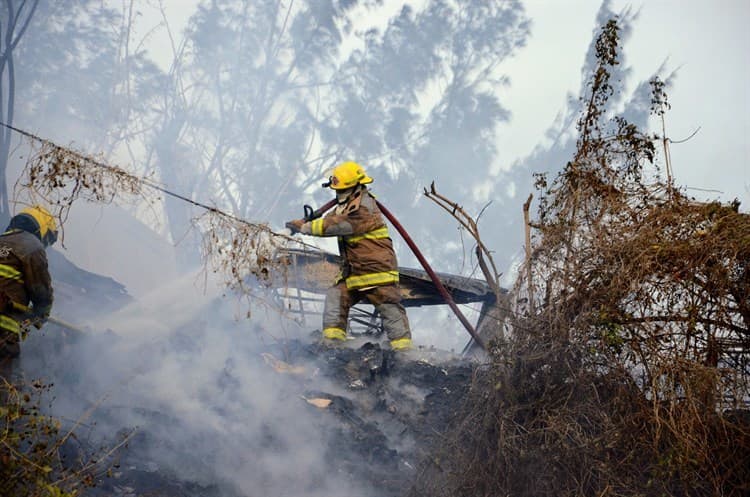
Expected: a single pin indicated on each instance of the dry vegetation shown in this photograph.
(57, 177)
(37, 456)
(243, 252)
(626, 371)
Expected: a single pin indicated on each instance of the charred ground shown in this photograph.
(376, 413)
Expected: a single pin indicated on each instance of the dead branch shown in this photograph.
(527, 237)
(484, 256)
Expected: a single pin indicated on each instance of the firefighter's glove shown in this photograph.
(37, 321)
(29, 322)
(295, 226)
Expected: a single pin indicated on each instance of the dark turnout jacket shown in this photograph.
(364, 242)
(24, 275)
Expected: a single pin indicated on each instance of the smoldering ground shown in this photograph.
(185, 381)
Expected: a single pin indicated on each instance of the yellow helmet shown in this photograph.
(347, 175)
(47, 226)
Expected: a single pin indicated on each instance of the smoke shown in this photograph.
(186, 381)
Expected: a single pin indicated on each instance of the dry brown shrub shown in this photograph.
(631, 375)
(40, 455)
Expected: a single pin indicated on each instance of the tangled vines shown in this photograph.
(37, 455)
(627, 371)
(245, 253)
(57, 177)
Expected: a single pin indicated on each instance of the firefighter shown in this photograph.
(25, 283)
(369, 271)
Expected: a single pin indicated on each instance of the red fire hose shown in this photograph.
(434, 277)
(310, 214)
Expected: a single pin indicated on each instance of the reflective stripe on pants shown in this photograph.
(334, 333)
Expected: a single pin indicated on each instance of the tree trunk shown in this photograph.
(8, 42)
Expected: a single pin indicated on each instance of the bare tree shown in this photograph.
(14, 21)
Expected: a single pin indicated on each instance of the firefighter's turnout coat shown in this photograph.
(368, 258)
(369, 269)
(24, 279)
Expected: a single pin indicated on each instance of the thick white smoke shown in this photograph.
(178, 370)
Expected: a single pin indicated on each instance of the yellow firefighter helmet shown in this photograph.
(347, 175)
(47, 226)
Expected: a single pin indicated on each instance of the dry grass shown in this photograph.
(37, 456)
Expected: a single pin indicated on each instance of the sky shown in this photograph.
(705, 42)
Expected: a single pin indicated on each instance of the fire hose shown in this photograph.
(311, 214)
(25, 309)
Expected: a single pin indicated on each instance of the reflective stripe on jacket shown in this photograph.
(10, 325)
(10, 273)
(368, 258)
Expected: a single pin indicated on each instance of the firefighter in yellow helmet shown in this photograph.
(24, 276)
(369, 269)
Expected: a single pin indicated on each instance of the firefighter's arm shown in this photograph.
(38, 285)
(354, 219)
(330, 225)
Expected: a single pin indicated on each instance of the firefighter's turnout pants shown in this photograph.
(385, 298)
